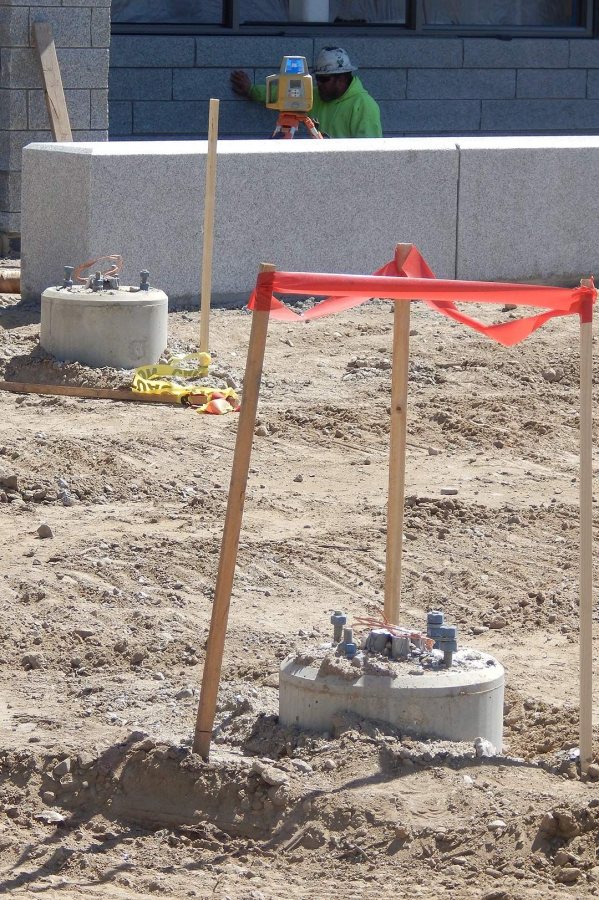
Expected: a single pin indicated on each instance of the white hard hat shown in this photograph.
(333, 61)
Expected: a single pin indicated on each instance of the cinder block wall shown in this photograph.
(160, 86)
(81, 31)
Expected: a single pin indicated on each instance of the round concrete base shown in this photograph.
(457, 704)
(118, 328)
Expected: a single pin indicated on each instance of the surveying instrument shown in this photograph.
(291, 93)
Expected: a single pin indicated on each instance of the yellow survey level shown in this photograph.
(291, 89)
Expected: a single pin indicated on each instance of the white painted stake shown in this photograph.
(586, 535)
(209, 204)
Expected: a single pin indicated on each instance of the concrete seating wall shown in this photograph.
(515, 209)
(527, 209)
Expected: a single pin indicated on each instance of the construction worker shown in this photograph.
(342, 106)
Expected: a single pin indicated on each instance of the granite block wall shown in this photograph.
(81, 30)
(406, 190)
(160, 86)
(491, 208)
(525, 206)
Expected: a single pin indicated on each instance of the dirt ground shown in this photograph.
(103, 625)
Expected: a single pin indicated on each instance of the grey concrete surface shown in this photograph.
(330, 206)
(505, 116)
(522, 53)
(552, 83)
(513, 209)
(527, 209)
(461, 84)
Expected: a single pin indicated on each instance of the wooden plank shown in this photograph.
(89, 393)
(53, 90)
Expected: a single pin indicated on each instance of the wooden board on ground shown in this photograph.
(90, 393)
(53, 90)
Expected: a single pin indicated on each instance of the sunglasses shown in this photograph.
(322, 79)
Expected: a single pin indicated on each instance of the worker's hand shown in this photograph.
(241, 82)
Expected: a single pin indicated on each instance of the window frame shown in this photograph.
(415, 26)
(584, 30)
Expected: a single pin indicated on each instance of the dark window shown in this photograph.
(494, 17)
(168, 12)
(264, 12)
(507, 13)
(353, 12)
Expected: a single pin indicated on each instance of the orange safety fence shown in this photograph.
(414, 280)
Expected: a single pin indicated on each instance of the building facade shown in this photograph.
(81, 31)
(436, 67)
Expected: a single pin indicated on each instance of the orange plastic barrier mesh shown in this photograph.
(416, 281)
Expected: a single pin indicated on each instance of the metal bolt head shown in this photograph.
(448, 638)
(448, 632)
(448, 645)
(338, 620)
(68, 280)
(350, 650)
(144, 284)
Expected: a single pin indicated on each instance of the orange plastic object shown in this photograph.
(218, 407)
(288, 124)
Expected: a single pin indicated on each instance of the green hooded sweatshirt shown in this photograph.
(353, 115)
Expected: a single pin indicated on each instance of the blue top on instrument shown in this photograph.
(295, 65)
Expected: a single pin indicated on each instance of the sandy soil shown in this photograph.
(104, 624)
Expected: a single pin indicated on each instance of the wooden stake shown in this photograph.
(53, 90)
(397, 448)
(230, 540)
(88, 393)
(209, 204)
(586, 534)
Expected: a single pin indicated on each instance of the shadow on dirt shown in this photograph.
(224, 808)
(20, 313)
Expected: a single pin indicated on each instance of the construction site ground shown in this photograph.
(103, 624)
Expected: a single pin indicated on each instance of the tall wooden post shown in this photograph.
(397, 448)
(586, 534)
(209, 204)
(232, 527)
